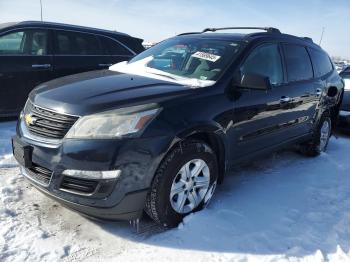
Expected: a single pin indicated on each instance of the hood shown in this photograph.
(96, 91)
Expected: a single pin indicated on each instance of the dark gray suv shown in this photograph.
(159, 132)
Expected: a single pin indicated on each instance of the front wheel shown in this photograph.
(184, 183)
(320, 139)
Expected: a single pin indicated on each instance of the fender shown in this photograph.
(213, 134)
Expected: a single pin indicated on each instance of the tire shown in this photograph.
(161, 202)
(320, 138)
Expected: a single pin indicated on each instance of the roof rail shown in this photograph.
(189, 33)
(308, 39)
(267, 29)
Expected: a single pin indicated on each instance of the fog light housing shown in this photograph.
(112, 174)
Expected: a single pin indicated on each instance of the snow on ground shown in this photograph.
(7, 129)
(282, 208)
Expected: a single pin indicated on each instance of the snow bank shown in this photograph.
(282, 208)
(7, 129)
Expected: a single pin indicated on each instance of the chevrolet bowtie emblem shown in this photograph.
(30, 120)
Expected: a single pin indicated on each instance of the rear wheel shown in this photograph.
(184, 183)
(320, 139)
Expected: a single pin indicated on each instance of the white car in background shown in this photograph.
(344, 114)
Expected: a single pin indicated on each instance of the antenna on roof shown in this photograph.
(41, 10)
(323, 29)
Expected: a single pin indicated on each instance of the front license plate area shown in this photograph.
(22, 153)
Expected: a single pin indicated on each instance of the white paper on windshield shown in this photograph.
(206, 56)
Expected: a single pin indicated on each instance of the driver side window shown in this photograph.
(266, 61)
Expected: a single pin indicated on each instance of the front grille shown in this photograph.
(48, 124)
(40, 174)
(78, 185)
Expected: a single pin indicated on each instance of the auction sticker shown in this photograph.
(206, 56)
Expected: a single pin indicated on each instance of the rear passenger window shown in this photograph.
(113, 47)
(39, 43)
(265, 61)
(322, 63)
(72, 43)
(298, 63)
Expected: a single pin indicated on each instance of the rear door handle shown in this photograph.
(318, 92)
(41, 66)
(104, 65)
(285, 99)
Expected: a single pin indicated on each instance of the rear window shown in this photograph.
(298, 63)
(72, 43)
(113, 47)
(321, 62)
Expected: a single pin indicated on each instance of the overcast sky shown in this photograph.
(154, 20)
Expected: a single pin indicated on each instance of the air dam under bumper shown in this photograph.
(125, 210)
(124, 198)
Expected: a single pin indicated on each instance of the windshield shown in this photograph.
(192, 61)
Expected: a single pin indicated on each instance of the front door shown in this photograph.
(25, 62)
(261, 117)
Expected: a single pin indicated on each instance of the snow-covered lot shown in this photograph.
(282, 208)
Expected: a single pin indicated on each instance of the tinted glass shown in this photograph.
(321, 62)
(265, 61)
(113, 48)
(71, 43)
(39, 42)
(29, 42)
(189, 58)
(298, 63)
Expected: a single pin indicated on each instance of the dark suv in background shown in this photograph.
(159, 132)
(35, 52)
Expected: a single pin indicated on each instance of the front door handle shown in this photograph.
(45, 66)
(285, 99)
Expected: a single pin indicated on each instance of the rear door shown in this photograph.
(25, 62)
(114, 51)
(303, 89)
(76, 52)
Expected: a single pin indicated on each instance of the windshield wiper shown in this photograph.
(165, 75)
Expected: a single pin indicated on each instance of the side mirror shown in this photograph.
(254, 81)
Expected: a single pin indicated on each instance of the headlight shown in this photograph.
(115, 123)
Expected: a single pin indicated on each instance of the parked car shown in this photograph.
(35, 52)
(344, 114)
(144, 136)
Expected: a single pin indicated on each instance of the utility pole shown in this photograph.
(323, 29)
(41, 10)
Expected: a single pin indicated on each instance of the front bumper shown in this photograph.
(120, 198)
